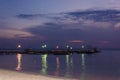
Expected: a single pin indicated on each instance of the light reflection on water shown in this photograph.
(44, 64)
(19, 61)
(69, 65)
(57, 66)
(80, 66)
(82, 76)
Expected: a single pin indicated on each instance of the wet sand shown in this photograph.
(14, 75)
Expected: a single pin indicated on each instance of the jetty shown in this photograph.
(54, 52)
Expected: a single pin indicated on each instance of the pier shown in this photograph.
(54, 52)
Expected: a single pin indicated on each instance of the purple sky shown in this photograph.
(59, 22)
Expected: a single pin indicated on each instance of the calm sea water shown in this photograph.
(100, 66)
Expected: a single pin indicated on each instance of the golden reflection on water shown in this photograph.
(19, 62)
(57, 62)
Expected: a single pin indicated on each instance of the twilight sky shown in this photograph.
(59, 22)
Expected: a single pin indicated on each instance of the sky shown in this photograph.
(59, 22)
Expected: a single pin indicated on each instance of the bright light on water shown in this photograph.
(44, 64)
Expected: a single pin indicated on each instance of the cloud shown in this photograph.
(117, 26)
(57, 32)
(29, 16)
(14, 33)
(39, 16)
(79, 19)
(76, 41)
(89, 19)
(96, 15)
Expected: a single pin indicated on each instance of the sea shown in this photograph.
(104, 65)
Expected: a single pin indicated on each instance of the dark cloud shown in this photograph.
(38, 16)
(30, 16)
(96, 15)
(56, 33)
(88, 19)
(53, 29)
(25, 16)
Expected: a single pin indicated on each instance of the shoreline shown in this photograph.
(14, 75)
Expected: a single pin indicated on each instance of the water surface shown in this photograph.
(99, 66)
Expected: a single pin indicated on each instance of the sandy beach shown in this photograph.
(14, 75)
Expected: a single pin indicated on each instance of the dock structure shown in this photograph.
(10, 51)
(55, 52)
